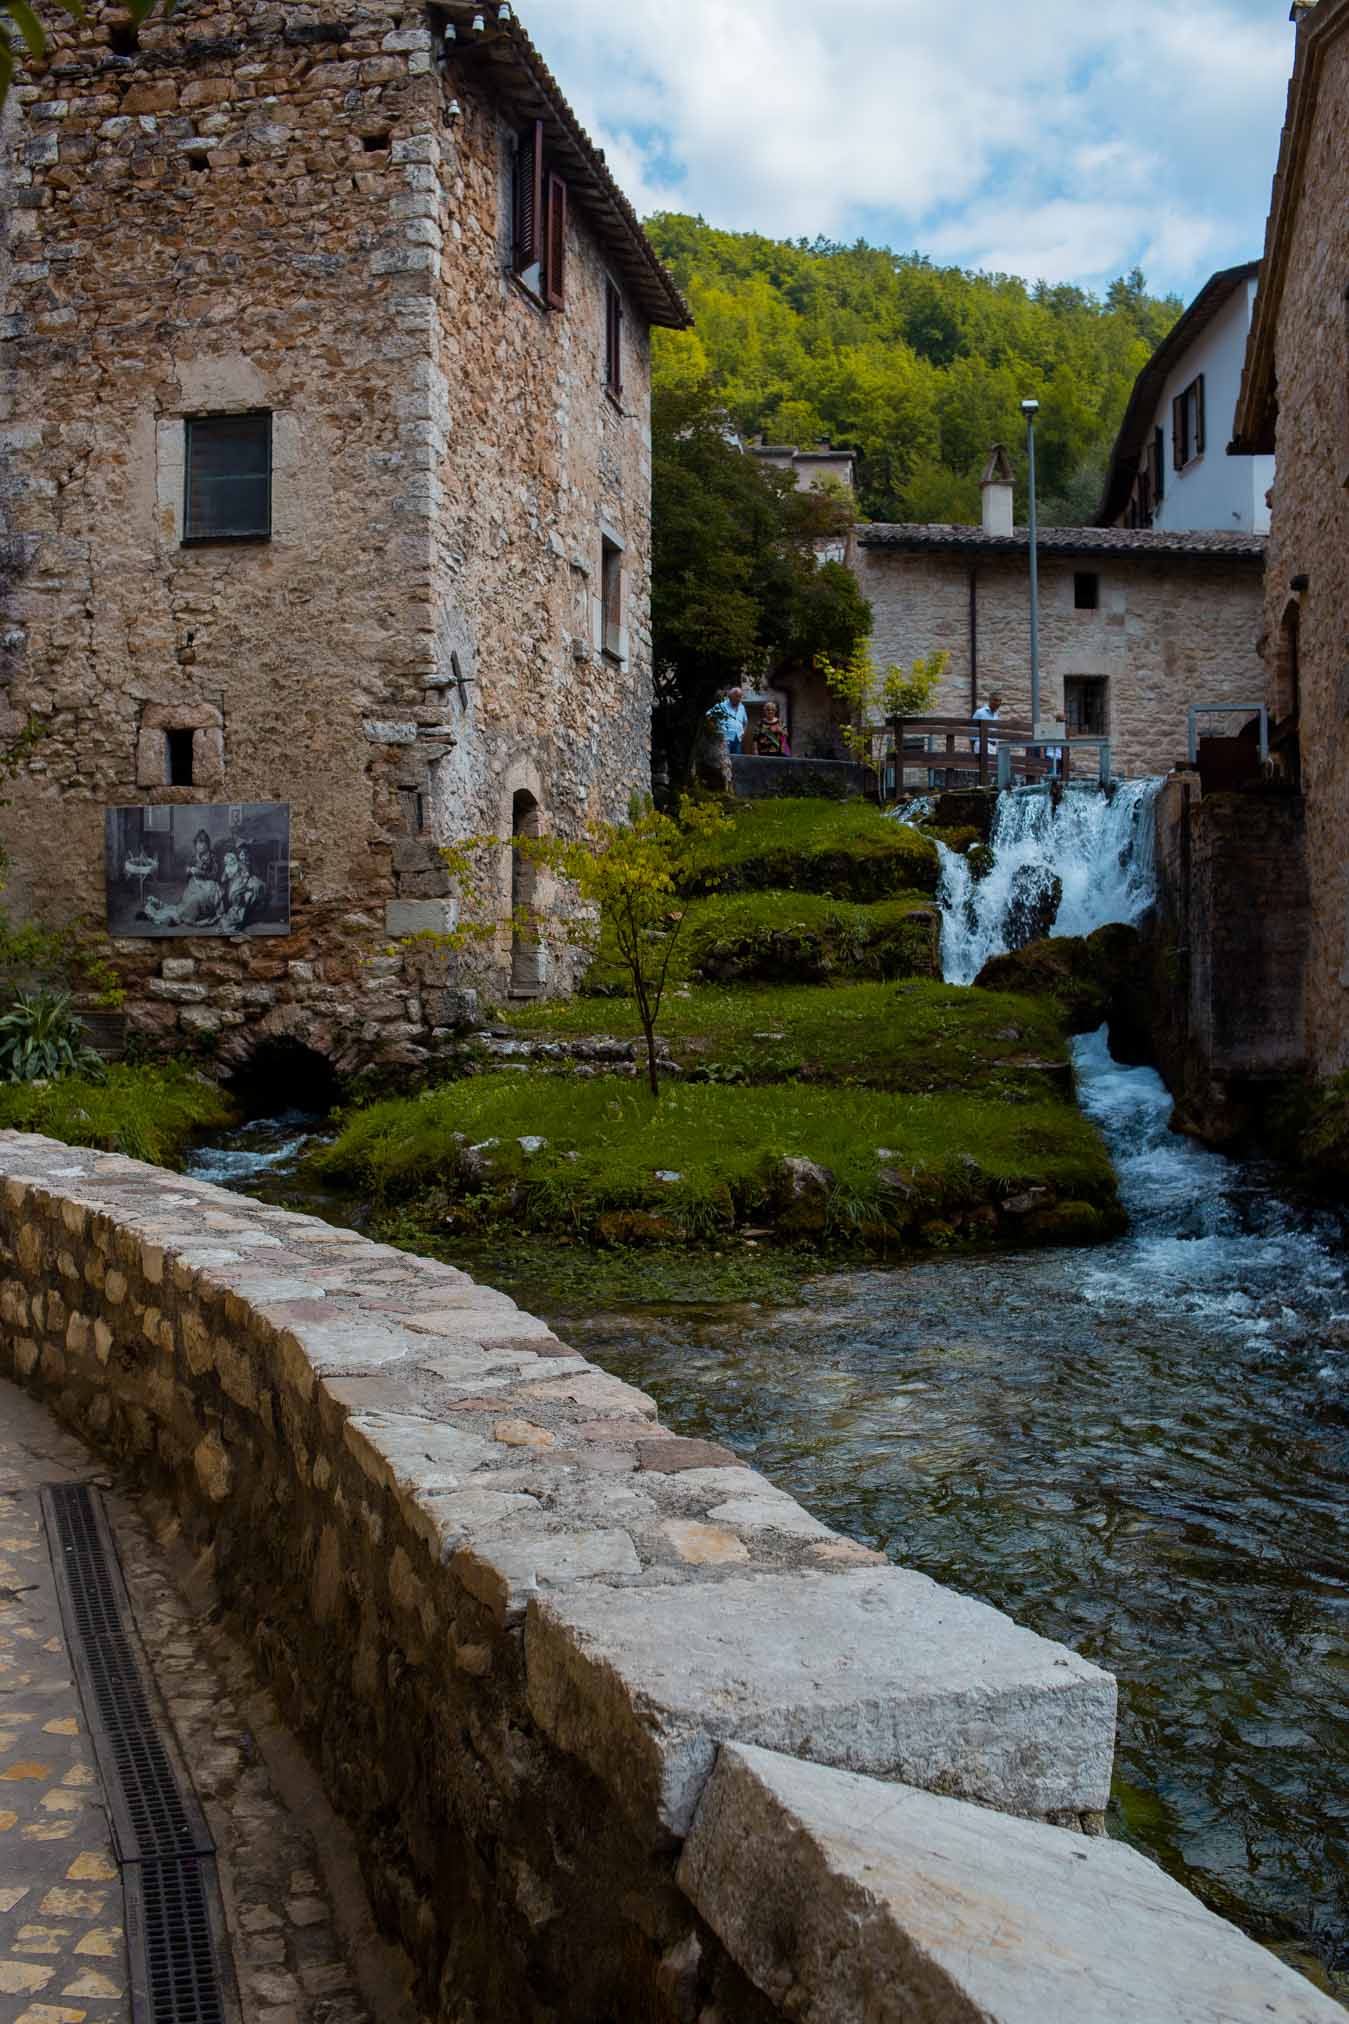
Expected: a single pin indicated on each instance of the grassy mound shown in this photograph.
(846, 849)
(915, 1036)
(599, 1159)
(773, 937)
(149, 1113)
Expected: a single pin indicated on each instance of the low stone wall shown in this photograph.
(599, 1701)
(759, 779)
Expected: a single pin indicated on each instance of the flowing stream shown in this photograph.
(1142, 1449)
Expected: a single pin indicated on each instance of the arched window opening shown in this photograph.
(526, 947)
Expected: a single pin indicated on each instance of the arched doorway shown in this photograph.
(526, 948)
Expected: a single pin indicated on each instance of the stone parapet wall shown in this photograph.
(519, 1623)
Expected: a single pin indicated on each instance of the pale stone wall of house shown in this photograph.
(264, 208)
(1310, 536)
(1169, 632)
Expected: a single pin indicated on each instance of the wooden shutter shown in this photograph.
(1158, 465)
(1199, 414)
(555, 264)
(529, 199)
(1178, 432)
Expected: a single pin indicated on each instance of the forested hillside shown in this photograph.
(919, 368)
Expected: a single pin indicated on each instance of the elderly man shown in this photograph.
(730, 718)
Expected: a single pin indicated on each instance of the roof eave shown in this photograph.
(521, 81)
(1128, 451)
(1257, 410)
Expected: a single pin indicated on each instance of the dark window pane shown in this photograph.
(229, 477)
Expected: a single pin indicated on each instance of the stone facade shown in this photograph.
(524, 1628)
(1296, 389)
(1170, 624)
(308, 213)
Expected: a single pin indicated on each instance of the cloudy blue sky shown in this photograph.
(1069, 139)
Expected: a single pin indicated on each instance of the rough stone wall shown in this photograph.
(1168, 632)
(1310, 537)
(519, 1623)
(1233, 906)
(269, 207)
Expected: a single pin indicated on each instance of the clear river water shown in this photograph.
(1142, 1449)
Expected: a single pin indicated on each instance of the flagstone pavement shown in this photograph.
(300, 1933)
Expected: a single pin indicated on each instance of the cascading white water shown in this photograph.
(1099, 848)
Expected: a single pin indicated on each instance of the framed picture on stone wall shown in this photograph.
(199, 871)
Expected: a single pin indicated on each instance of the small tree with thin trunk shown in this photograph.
(628, 879)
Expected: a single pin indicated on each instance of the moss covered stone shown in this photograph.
(847, 850)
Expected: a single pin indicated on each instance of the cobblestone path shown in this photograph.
(62, 1945)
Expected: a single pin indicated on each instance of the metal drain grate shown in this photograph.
(161, 1837)
(175, 1974)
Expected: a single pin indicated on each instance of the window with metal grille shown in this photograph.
(1085, 705)
(613, 340)
(228, 493)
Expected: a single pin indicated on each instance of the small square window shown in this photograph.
(1086, 590)
(228, 491)
(178, 758)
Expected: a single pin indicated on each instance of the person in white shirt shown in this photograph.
(988, 714)
(731, 719)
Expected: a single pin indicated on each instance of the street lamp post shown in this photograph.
(1030, 409)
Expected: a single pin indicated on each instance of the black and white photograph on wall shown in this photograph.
(199, 871)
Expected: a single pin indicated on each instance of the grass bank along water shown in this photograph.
(897, 1115)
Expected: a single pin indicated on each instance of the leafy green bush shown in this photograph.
(149, 1113)
(846, 849)
(41, 1037)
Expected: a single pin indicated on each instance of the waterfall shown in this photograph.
(1061, 869)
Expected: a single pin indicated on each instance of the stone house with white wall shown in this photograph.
(327, 486)
(1170, 468)
(1135, 625)
(1295, 389)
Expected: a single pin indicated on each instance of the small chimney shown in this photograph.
(996, 487)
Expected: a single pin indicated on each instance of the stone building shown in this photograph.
(1135, 625)
(327, 486)
(1296, 386)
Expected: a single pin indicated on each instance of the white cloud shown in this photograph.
(1040, 136)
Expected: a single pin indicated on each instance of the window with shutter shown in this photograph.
(1158, 465)
(529, 200)
(611, 593)
(1198, 432)
(1178, 451)
(555, 263)
(228, 478)
(613, 340)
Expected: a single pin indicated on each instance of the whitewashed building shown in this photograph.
(1170, 469)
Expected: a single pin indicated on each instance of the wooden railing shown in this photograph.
(979, 752)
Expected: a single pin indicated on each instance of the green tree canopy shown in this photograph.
(738, 591)
(918, 368)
